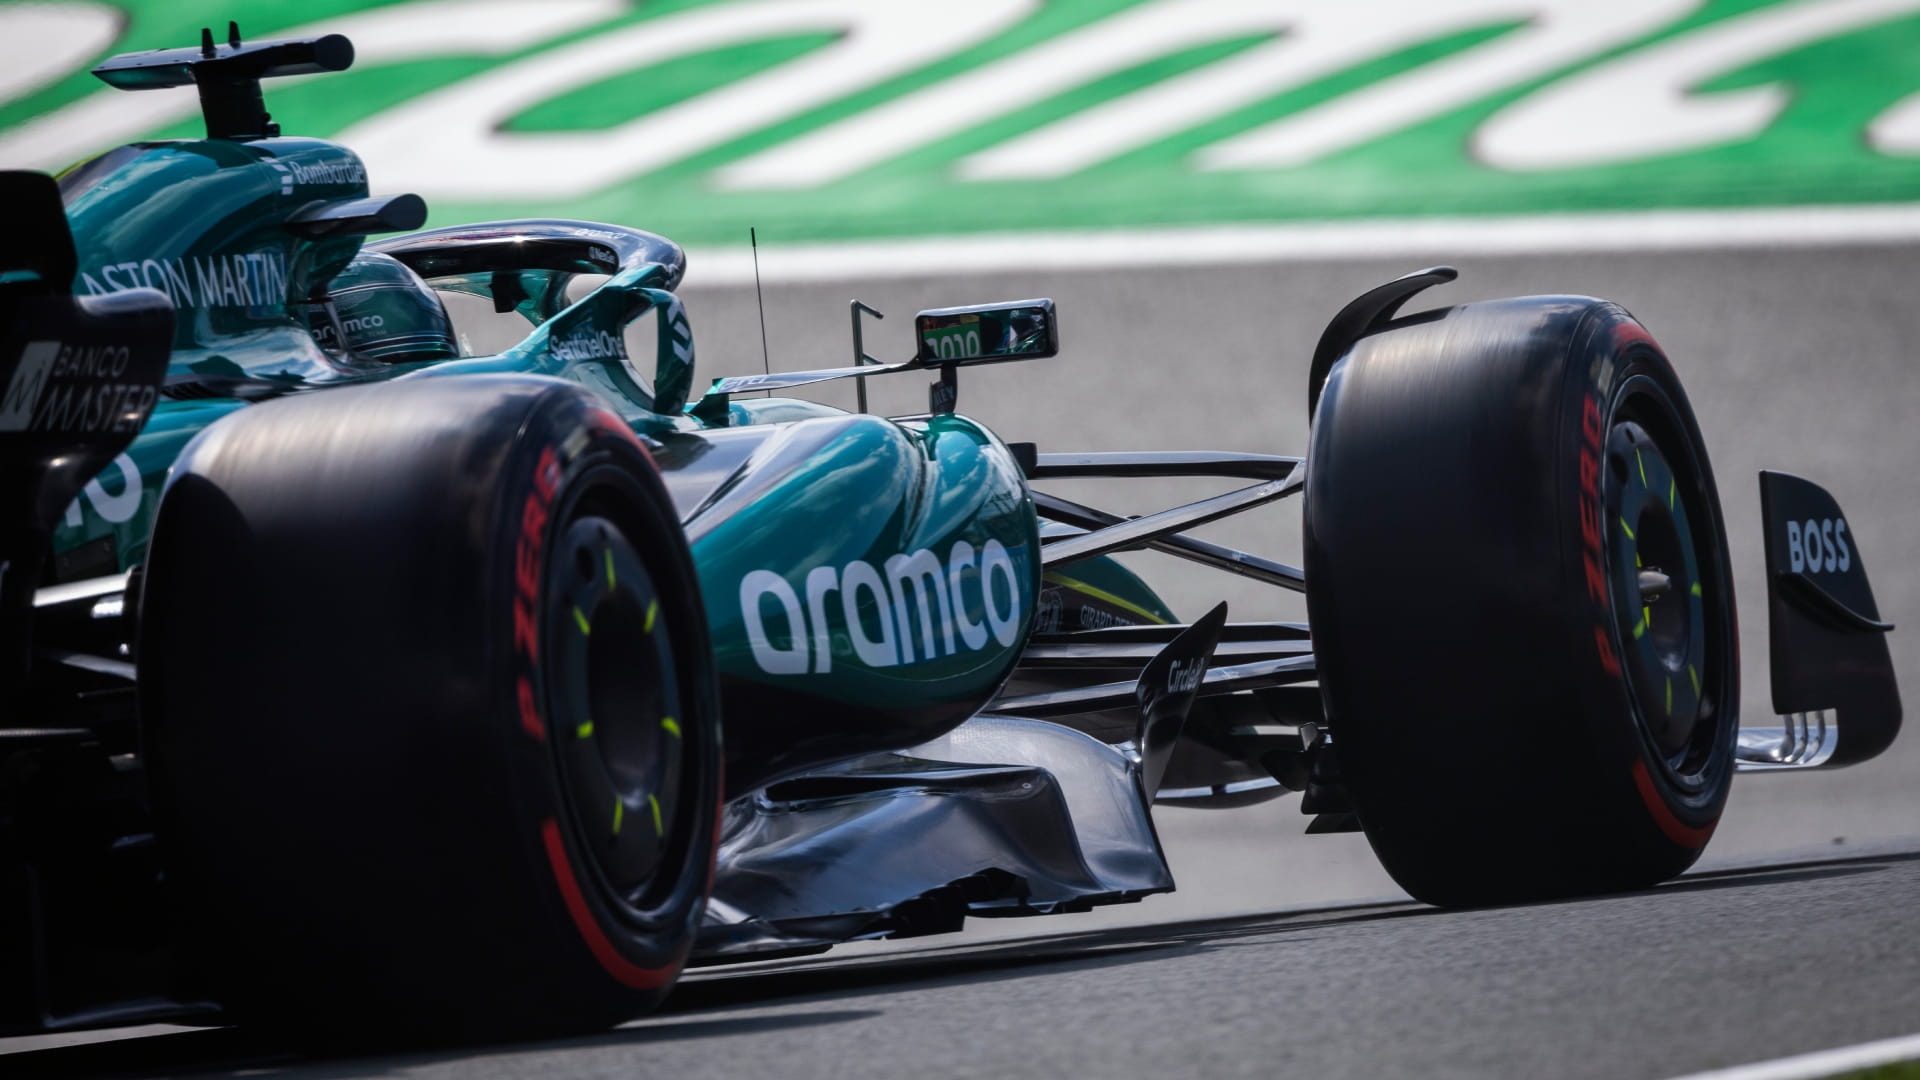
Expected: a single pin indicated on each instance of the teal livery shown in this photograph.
(848, 560)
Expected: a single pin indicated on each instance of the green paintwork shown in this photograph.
(201, 221)
(862, 494)
(857, 498)
(1101, 581)
(204, 222)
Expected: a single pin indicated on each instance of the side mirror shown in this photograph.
(987, 333)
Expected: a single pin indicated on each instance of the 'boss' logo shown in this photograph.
(1817, 546)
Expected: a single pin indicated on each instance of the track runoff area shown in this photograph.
(1758, 208)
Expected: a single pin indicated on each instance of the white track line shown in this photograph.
(1820, 1063)
(1153, 250)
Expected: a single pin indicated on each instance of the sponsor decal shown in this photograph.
(589, 344)
(527, 550)
(1818, 546)
(62, 387)
(603, 255)
(16, 409)
(743, 384)
(114, 509)
(924, 609)
(1046, 613)
(332, 171)
(942, 396)
(1099, 618)
(324, 335)
(254, 279)
(1185, 675)
(1592, 429)
(682, 332)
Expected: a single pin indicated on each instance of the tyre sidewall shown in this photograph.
(351, 800)
(641, 951)
(1607, 353)
(1491, 750)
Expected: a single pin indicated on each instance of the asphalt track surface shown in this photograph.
(1712, 970)
(1261, 964)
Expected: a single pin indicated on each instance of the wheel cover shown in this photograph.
(615, 687)
(1664, 577)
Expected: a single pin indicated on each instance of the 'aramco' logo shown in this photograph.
(918, 609)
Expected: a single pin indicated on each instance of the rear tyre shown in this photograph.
(1521, 602)
(430, 712)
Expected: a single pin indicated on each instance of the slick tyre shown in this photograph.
(430, 712)
(1521, 602)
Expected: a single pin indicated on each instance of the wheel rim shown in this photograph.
(1665, 573)
(615, 686)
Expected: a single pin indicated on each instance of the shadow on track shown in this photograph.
(232, 1050)
(1754, 878)
(992, 961)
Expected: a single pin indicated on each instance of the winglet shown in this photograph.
(1828, 642)
(1167, 687)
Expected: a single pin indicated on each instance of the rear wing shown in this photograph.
(228, 75)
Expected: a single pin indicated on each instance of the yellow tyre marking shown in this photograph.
(1643, 469)
(653, 608)
(1628, 529)
(1669, 695)
(584, 731)
(672, 726)
(658, 829)
(1696, 589)
(619, 815)
(1670, 489)
(580, 620)
(610, 581)
(1640, 628)
(1695, 676)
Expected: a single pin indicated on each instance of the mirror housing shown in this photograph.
(987, 333)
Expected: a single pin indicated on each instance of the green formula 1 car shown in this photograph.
(364, 664)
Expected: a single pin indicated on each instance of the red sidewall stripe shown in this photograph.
(1687, 836)
(624, 971)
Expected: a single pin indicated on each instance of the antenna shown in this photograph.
(766, 360)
